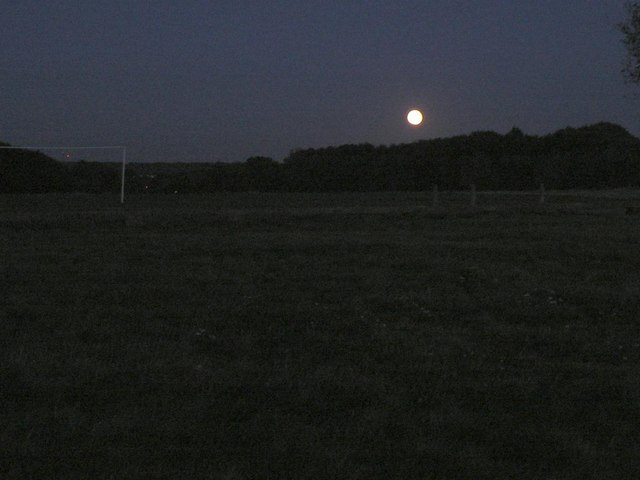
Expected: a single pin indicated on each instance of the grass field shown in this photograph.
(309, 336)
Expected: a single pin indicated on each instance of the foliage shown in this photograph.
(595, 156)
(631, 31)
(93, 177)
(587, 157)
(23, 171)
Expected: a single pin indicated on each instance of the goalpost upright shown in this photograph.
(93, 147)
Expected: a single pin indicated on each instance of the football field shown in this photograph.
(320, 336)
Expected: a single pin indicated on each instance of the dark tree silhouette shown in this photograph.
(24, 171)
(94, 177)
(602, 155)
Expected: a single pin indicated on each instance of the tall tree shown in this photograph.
(631, 31)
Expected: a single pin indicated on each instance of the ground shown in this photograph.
(254, 336)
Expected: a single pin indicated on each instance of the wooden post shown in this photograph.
(435, 195)
(541, 193)
(473, 195)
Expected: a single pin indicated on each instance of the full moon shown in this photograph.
(414, 117)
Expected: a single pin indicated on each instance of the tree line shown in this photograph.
(603, 155)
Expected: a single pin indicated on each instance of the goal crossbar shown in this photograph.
(92, 147)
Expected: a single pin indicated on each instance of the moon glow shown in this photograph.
(414, 117)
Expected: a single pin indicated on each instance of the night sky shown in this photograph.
(223, 80)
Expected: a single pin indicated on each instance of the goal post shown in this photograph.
(122, 148)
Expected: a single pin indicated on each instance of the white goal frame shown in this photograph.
(93, 147)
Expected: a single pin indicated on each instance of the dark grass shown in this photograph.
(256, 336)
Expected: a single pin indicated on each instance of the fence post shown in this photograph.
(473, 195)
(435, 196)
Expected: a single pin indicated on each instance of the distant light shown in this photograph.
(414, 117)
